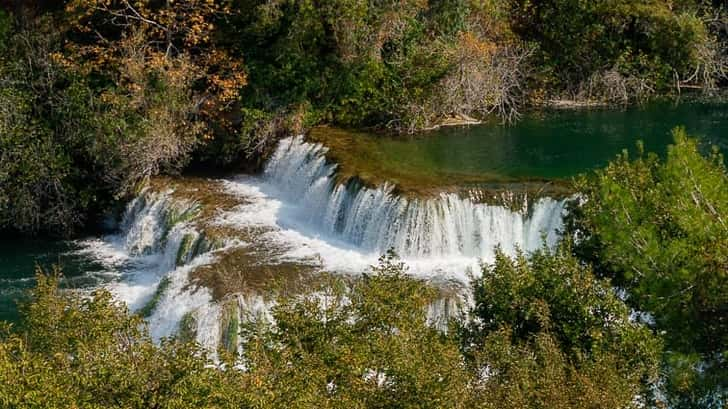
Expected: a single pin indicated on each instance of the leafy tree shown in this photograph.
(78, 351)
(168, 61)
(364, 348)
(637, 45)
(565, 341)
(359, 63)
(545, 332)
(369, 348)
(101, 99)
(658, 228)
(46, 170)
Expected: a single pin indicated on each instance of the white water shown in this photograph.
(143, 253)
(307, 217)
(348, 227)
(378, 220)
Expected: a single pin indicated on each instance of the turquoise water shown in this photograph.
(19, 260)
(555, 144)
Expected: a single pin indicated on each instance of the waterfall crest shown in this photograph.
(299, 212)
(377, 219)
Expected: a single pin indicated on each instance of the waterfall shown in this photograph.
(153, 253)
(377, 219)
(299, 212)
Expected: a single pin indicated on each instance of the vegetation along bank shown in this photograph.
(628, 310)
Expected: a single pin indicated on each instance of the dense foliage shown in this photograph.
(623, 49)
(83, 123)
(365, 345)
(98, 95)
(658, 229)
(408, 64)
(547, 333)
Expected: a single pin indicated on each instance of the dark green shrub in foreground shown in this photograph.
(550, 334)
(83, 352)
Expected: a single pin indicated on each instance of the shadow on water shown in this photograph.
(19, 259)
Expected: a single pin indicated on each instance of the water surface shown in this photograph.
(556, 144)
(20, 259)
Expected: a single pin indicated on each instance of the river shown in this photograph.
(297, 216)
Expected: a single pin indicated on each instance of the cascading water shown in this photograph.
(154, 253)
(300, 213)
(376, 219)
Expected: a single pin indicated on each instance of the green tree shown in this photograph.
(659, 228)
(48, 178)
(638, 46)
(545, 332)
(367, 347)
(82, 125)
(88, 352)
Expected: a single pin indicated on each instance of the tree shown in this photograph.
(639, 47)
(167, 65)
(364, 348)
(78, 351)
(659, 229)
(47, 173)
(102, 97)
(544, 332)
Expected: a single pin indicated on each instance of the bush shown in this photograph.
(362, 343)
(657, 43)
(87, 118)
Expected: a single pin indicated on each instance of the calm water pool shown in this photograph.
(544, 145)
(19, 259)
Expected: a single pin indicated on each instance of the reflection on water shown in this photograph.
(558, 144)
